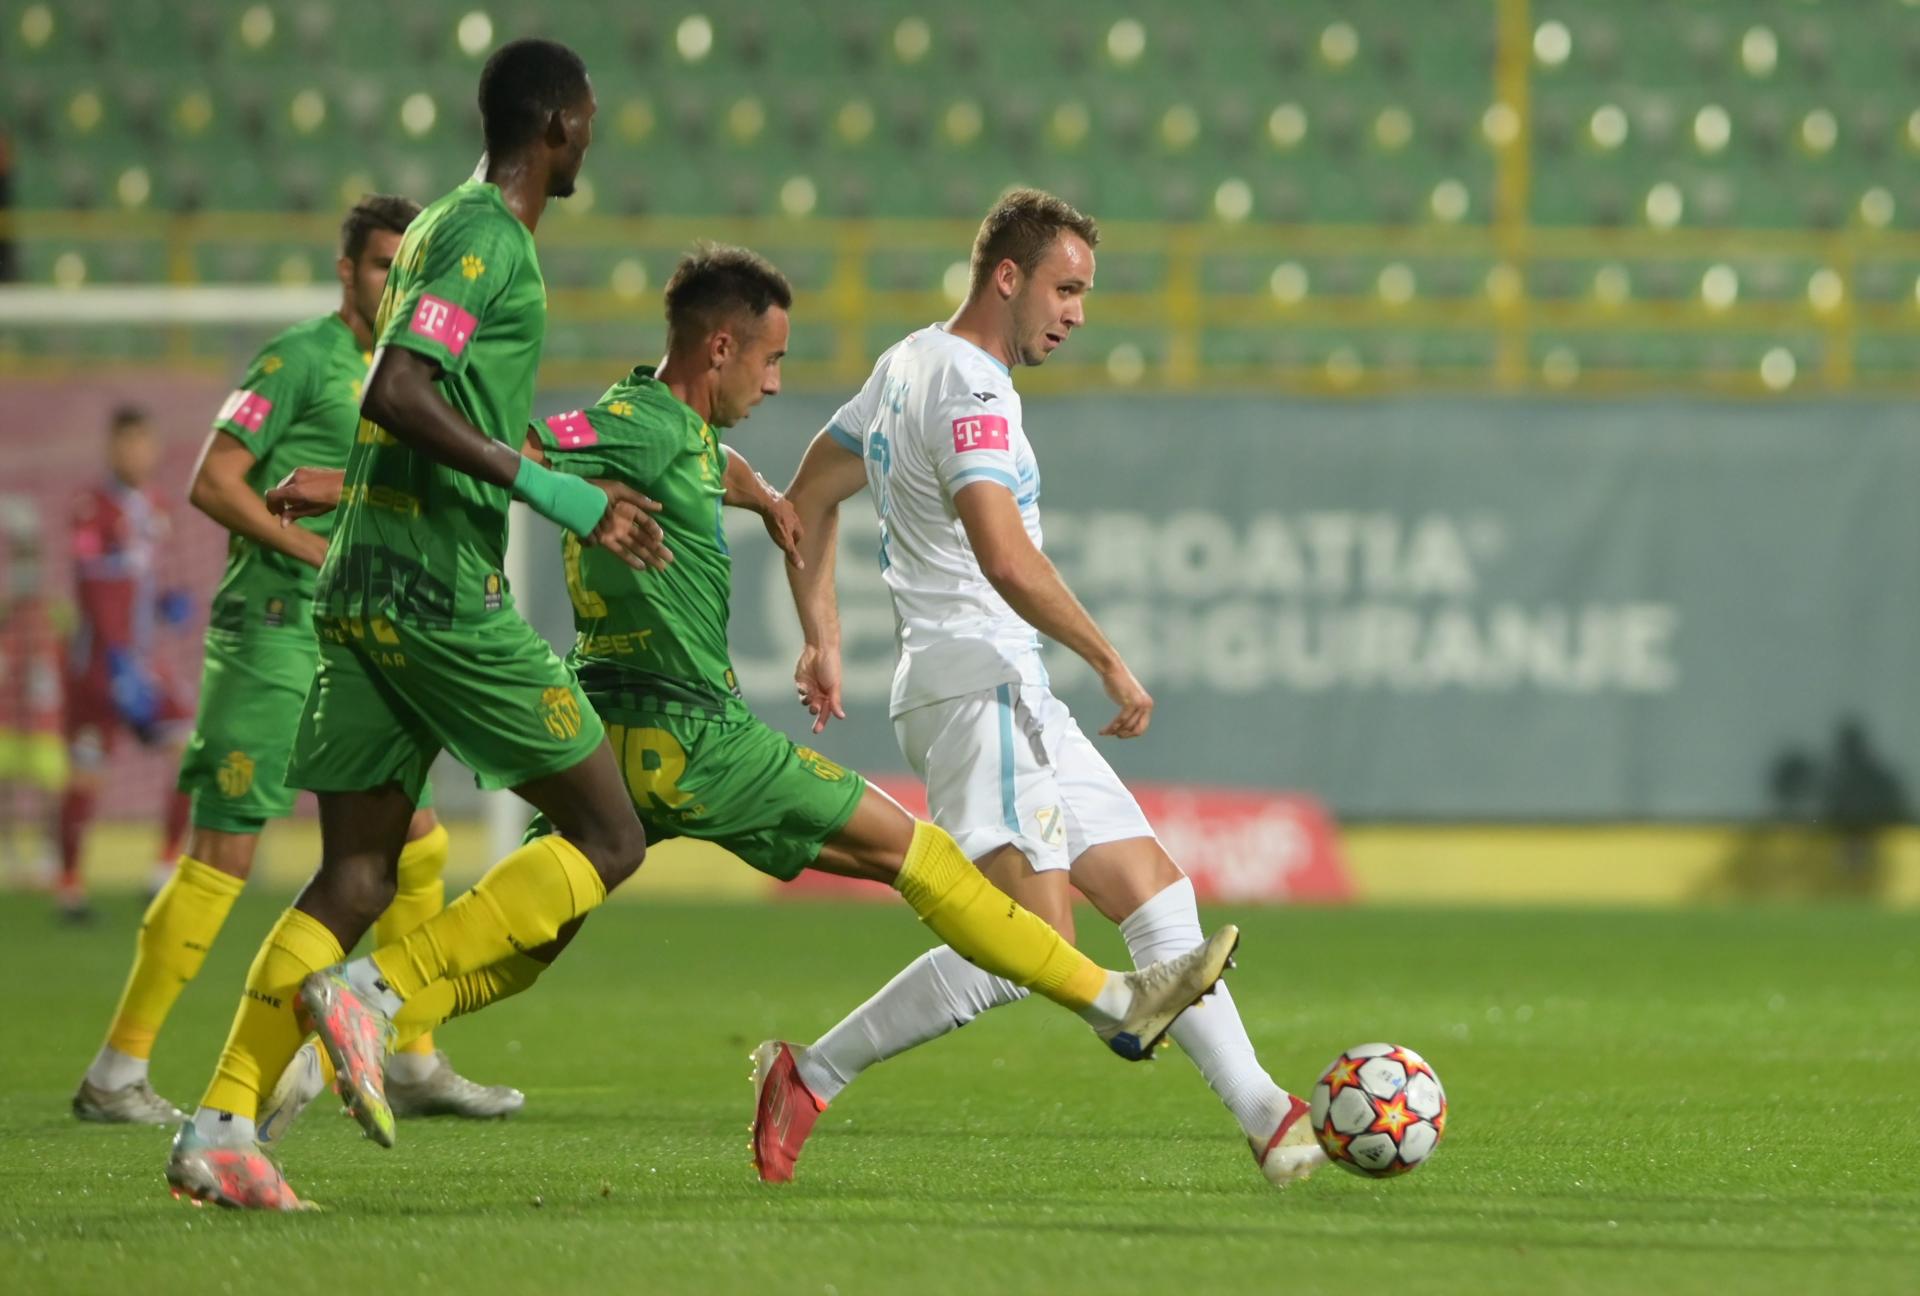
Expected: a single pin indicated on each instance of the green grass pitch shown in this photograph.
(1640, 1102)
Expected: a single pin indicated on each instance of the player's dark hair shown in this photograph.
(124, 418)
(389, 212)
(524, 83)
(1021, 227)
(714, 283)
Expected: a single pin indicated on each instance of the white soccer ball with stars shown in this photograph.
(1379, 1110)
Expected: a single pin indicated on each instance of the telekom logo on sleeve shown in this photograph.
(248, 409)
(572, 430)
(441, 321)
(980, 432)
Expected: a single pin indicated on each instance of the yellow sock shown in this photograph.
(987, 928)
(444, 1000)
(520, 905)
(174, 939)
(421, 894)
(265, 1034)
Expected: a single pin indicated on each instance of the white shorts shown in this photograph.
(1010, 765)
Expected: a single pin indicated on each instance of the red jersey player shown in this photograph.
(114, 678)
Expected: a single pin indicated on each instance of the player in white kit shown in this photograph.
(936, 432)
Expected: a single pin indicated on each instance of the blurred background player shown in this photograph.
(114, 676)
(297, 404)
(937, 433)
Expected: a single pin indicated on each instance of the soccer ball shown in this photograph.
(1379, 1110)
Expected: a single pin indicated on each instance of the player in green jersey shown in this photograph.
(298, 403)
(421, 649)
(651, 650)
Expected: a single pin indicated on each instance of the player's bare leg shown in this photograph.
(531, 900)
(1131, 1012)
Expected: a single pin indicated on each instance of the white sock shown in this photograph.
(113, 1069)
(224, 1128)
(411, 1068)
(364, 976)
(936, 993)
(1211, 1033)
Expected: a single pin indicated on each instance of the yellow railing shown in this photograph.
(1170, 329)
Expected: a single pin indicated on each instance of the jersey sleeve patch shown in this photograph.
(572, 430)
(439, 320)
(248, 409)
(980, 432)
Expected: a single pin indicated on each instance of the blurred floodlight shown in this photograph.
(963, 121)
(1608, 126)
(1759, 51)
(256, 26)
(1393, 128)
(1719, 287)
(1505, 284)
(308, 111)
(1876, 207)
(1826, 290)
(1339, 43)
(1500, 124)
(798, 196)
(1777, 369)
(36, 25)
(1664, 205)
(474, 34)
(693, 38)
(1126, 42)
(955, 282)
(1819, 130)
(854, 122)
(629, 278)
(1552, 42)
(1712, 128)
(1287, 125)
(134, 187)
(745, 120)
(1179, 127)
(1069, 124)
(1233, 200)
(417, 113)
(1612, 285)
(1288, 283)
(1125, 364)
(912, 39)
(1449, 201)
(69, 270)
(1395, 283)
(1560, 367)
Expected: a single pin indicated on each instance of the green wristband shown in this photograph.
(572, 502)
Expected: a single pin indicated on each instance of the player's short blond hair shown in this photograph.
(1021, 227)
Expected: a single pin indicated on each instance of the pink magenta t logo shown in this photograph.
(980, 432)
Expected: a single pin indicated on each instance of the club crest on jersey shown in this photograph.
(275, 613)
(980, 432)
(439, 320)
(235, 776)
(490, 596)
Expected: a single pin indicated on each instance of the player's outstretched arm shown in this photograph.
(220, 490)
(829, 475)
(743, 488)
(402, 399)
(1034, 588)
(627, 527)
